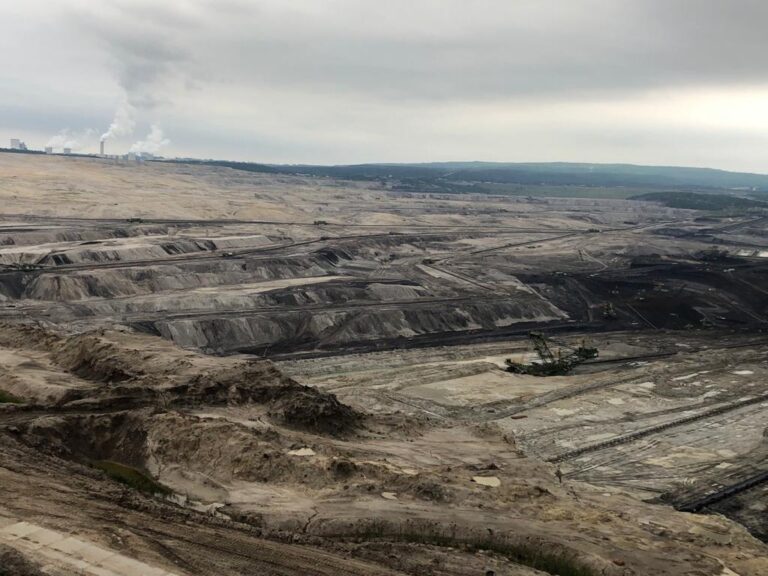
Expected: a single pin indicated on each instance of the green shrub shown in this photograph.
(7, 398)
(131, 477)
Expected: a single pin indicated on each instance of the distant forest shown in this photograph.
(469, 177)
(693, 201)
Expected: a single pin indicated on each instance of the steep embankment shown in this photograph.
(262, 456)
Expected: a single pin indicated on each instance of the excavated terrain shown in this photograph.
(209, 371)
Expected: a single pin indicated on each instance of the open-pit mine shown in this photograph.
(206, 370)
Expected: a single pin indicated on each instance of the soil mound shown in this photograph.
(139, 370)
(118, 436)
(26, 335)
(310, 409)
(289, 402)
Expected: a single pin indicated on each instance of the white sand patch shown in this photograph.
(599, 437)
(689, 376)
(681, 454)
(491, 481)
(491, 386)
(269, 285)
(74, 555)
(641, 389)
(302, 452)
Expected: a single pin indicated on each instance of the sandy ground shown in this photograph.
(551, 416)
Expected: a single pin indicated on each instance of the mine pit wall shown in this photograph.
(319, 292)
(31, 235)
(748, 508)
(131, 281)
(672, 295)
(282, 330)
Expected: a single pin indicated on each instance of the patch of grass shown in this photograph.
(542, 556)
(8, 398)
(131, 477)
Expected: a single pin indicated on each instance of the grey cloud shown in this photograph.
(146, 46)
(422, 49)
(464, 50)
(19, 117)
(452, 49)
(348, 80)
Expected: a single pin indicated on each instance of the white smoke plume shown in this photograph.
(123, 123)
(68, 139)
(152, 143)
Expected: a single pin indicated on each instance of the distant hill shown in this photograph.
(555, 174)
(246, 166)
(498, 177)
(464, 177)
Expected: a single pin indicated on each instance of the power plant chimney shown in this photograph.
(101, 148)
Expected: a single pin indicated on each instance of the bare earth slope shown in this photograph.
(238, 456)
(206, 371)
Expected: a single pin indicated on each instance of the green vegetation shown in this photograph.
(14, 151)
(131, 477)
(554, 179)
(694, 201)
(538, 555)
(7, 398)
(439, 186)
(536, 173)
(245, 166)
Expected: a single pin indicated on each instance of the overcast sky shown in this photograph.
(674, 82)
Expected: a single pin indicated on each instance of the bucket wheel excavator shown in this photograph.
(549, 362)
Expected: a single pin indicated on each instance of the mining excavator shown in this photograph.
(549, 363)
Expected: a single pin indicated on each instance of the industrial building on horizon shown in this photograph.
(132, 156)
(17, 144)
